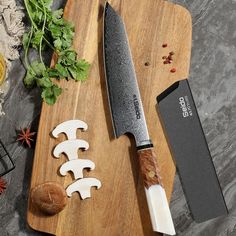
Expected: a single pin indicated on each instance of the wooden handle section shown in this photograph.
(149, 168)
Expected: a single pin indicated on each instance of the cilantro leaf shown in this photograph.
(44, 82)
(57, 14)
(57, 43)
(30, 78)
(53, 73)
(36, 38)
(73, 72)
(38, 68)
(49, 29)
(56, 90)
(55, 30)
(48, 3)
(62, 71)
(82, 70)
(50, 94)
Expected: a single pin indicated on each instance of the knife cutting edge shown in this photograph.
(128, 115)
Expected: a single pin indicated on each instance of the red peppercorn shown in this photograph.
(164, 45)
(173, 70)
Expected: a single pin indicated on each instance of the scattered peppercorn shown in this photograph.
(147, 63)
(168, 59)
(173, 70)
(164, 45)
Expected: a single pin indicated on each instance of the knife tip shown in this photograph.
(107, 5)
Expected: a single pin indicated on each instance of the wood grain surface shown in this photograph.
(149, 167)
(119, 207)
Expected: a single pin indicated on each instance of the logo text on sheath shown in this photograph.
(185, 106)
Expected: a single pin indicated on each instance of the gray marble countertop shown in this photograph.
(213, 83)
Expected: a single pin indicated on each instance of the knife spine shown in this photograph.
(105, 69)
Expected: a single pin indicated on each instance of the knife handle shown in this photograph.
(149, 168)
(156, 197)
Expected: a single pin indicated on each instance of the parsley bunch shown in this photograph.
(49, 29)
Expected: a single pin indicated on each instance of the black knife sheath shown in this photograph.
(189, 148)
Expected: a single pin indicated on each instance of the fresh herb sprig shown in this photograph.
(49, 29)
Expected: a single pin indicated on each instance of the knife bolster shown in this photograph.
(149, 168)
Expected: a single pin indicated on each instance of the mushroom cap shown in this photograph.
(50, 198)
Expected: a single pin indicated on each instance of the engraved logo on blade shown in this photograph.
(136, 107)
(185, 106)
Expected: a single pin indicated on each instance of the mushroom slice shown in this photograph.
(83, 187)
(76, 167)
(70, 148)
(69, 128)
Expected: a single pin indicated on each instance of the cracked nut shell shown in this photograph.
(49, 198)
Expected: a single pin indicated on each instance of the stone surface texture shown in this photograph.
(213, 83)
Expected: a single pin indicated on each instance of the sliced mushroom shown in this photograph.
(83, 187)
(70, 148)
(69, 128)
(76, 167)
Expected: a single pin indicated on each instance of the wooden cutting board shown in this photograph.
(119, 207)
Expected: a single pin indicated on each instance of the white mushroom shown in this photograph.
(76, 167)
(83, 186)
(70, 148)
(69, 128)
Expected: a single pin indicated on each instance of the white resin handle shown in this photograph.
(159, 210)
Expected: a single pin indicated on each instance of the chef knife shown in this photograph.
(128, 115)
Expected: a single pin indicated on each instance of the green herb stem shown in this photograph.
(34, 24)
(40, 8)
(27, 49)
(49, 44)
(29, 14)
(43, 28)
